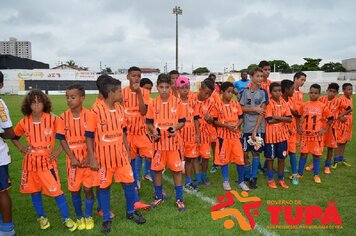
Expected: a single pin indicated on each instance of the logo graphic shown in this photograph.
(222, 210)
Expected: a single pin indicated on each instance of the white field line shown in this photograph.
(262, 230)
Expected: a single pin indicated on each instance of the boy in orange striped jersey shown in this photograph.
(70, 132)
(343, 126)
(190, 132)
(227, 115)
(164, 118)
(106, 141)
(277, 115)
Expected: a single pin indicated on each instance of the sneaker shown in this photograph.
(244, 187)
(141, 206)
(317, 179)
(205, 181)
(106, 227)
(334, 166)
(8, 233)
(286, 170)
(283, 184)
(327, 170)
(226, 186)
(44, 223)
(295, 180)
(180, 205)
(253, 183)
(81, 223)
(136, 217)
(166, 196)
(191, 187)
(89, 223)
(345, 163)
(214, 169)
(271, 184)
(309, 167)
(101, 213)
(156, 202)
(70, 224)
(148, 177)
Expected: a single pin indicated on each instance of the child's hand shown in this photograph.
(341, 118)
(53, 156)
(231, 127)
(136, 87)
(253, 136)
(156, 136)
(74, 163)
(260, 110)
(208, 118)
(322, 132)
(25, 150)
(94, 165)
(299, 130)
(172, 132)
(197, 139)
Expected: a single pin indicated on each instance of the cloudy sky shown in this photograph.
(214, 33)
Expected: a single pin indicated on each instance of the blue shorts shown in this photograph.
(5, 182)
(277, 150)
(249, 148)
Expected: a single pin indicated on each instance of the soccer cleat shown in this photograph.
(334, 166)
(327, 170)
(148, 177)
(226, 186)
(180, 205)
(89, 223)
(106, 227)
(317, 179)
(345, 163)
(101, 213)
(295, 179)
(205, 181)
(271, 184)
(70, 224)
(165, 196)
(141, 206)
(282, 184)
(253, 183)
(81, 223)
(214, 169)
(244, 187)
(44, 223)
(156, 202)
(309, 167)
(191, 187)
(136, 217)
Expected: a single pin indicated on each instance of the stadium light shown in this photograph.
(177, 11)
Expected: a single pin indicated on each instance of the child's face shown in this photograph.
(276, 92)
(300, 81)
(74, 98)
(348, 91)
(257, 78)
(163, 90)
(266, 71)
(290, 91)
(174, 77)
(148, 87)
(37, 106)
(228, 93)
(183, 91)
(314, 94)
(204, 93)
(117, 96)
(134, 77)
(331, 93)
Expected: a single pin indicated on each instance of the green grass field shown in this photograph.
(196, 220)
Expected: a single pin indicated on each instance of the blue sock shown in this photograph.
(38, 204)
(255, 162)
(98, 200)
(179, 192)
(146, 167)
(188, 180)
(302, 162)
(136, 198)
(198, 177)
(341, 158)
(280, 176)
(7, 227)
(327, 163)
(247, 172)
(270, 174)
(316, 163)
(293, 162)
(240, 173)
(225, 172)
(63, 206)
(77, 203)
(336, 159)
(105, 203)
(133, 167)
(130, 197)
(138, 167)
(202, 175)
(89, 203)
(158, 191)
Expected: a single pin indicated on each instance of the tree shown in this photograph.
(295, 68)
(333, 67)
(311, 64)
(280, 66)
(200, 70)
(71, 63)
(106, 70)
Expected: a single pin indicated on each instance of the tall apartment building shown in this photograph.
(16, 48)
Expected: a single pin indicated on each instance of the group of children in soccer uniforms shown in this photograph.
(125, 125)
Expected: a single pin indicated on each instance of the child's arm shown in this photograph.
(176, 128)
(8, 133)
(259, 121)
(126, 144)
(257, 109)
(328, 124)
(90, 160)
(73, 161)
(141, 104)
(341, 117)
(19, 146)
(56, 153)
(279, 119)
(197, 131)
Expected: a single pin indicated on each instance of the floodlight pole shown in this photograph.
(177, 11)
